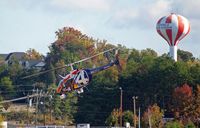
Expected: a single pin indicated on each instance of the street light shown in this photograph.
(134, 110)
(121, 93)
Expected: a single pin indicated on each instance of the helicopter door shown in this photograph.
(82, 78)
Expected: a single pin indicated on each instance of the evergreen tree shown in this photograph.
(6, 87)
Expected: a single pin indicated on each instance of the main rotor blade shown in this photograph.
(42, 72)
(85, 59)
(90, 57)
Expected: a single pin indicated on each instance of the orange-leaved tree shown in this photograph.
(182, 103)
(32, 54)
(153, 117)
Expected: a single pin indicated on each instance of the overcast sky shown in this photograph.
(28, 24)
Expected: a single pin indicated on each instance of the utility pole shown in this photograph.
(28, 111)
(134, 110)
(50, 112)
(139, 117)
(36, 107)
(44, 116)
(121, 96)
(50, 107)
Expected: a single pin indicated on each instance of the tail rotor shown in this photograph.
(117, 62)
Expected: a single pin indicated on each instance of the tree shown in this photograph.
(40, 86)
(184, 55)
(153, 116)
(56, 103)
(195, 73)
(190, 124)
(182, 70)
(14, 69)
(68, 107)
(186, 104)
(3, 70)
(6, 87)
(196, 103)
(183, 103)
(2, 61)
(134, 56)
(72, 45)
(174, 124)
(2, 118)
(113, 119)
(97, 103)
(50, 77)
(128, 116)
(61, 71)
(148, 52)
(32, 54)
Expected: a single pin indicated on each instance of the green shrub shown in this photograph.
(174, 124)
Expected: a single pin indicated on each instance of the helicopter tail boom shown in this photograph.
(112, 63)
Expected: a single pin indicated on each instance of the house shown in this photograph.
(3, 56)
(20, 57)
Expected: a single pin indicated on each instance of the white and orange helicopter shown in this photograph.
(77, 79)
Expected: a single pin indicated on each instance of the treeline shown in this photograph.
(157, 81)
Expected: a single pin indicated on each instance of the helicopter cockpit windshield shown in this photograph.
(82, 78)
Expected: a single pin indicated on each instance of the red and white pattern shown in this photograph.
(173, 28)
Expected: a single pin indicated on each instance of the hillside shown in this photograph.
(157, 81)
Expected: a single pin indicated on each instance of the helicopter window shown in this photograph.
(85, 74)
(76, 76)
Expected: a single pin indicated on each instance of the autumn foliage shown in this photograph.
(153, 117)
(186, 104)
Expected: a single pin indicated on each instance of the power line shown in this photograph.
(18, 85)
(21, 98)
(20, 90)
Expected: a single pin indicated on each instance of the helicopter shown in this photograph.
(77, 79)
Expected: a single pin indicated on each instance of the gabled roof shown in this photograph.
(20, 57)
(17, 55)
